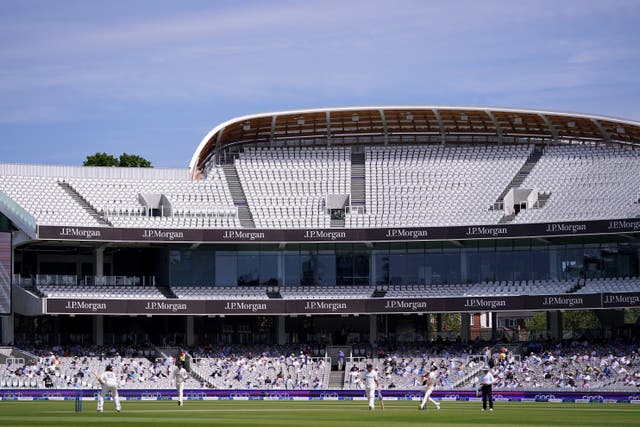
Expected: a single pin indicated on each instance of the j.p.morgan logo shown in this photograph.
(242, 235)
(621, 299)
(325, 306)
(403, 233)
(325, 235)
(165, 306)
(486, 231)
(245, 306)
(162, 234)
(566, 228)
(85, 306)
(484, 303)
(79, 232)
(405, 305)
(624, 225)
(562, 301)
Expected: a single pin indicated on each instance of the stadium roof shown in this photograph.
(412, 124)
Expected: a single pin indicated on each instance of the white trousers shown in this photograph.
(427, 396)
(180, 389)
(106, 388)
(371, 396)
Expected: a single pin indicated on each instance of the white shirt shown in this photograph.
(487, 379)
(370, 379)
(180, 375)
(431, 379)
(109, 378)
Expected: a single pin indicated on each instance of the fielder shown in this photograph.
(371, 381)
(430, 383)
(180, 376)
(109, 383)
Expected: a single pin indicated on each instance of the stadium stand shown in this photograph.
(570, 365)
(585, 183)
(46, 201)
(610, 284)
(287, 188)
(436, 185)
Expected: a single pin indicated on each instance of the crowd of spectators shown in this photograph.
(570, 365)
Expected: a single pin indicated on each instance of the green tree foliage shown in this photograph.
(125, 160)
(580, 320)
(451, 322)
(101, 159)
(537, 323)
(134, 161)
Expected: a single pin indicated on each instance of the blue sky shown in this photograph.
(153, 77)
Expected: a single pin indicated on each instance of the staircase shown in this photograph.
(506, 219)
(336, 379)
(358, 179)
(542, 200)
(83, 203)
(167, 291)
(519, 178)
(238, 196)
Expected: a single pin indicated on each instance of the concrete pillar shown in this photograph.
(554, 325)
(439, 323)
(190, 332)
(464, 276)
(373, 328)
(100, 262)
(494, 325)
(7, 329)
(553, 263)
(282, 333)
(98, 329)
(465, 327)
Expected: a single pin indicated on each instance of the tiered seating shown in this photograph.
(611, 284)
(263, 372)
(585, 183)
(521, 287)
(77, 372)
(436, 185)
(194, 204)
(324, 292)
(100, 291)
(406, 373)
(287, 187)
(220, 292)
(421, 291)
(46, 201)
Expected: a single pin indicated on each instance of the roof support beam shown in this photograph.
(603, 131)
(552, 128)
(273, 129)
(443, 133)
(384, 127)
(328, 115)
(497, 125)
(219, 145)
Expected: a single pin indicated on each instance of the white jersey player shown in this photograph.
(109, 383)
(180, 375)
(371, 381)
(430, 384)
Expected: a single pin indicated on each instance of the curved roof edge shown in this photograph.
(240, 119)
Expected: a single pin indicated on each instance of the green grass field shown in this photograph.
(315, 413)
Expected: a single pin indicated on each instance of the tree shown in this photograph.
(134, 161)
(125, 160)
(580, 320)
(101, 159)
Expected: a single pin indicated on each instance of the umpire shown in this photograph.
(487, 384)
